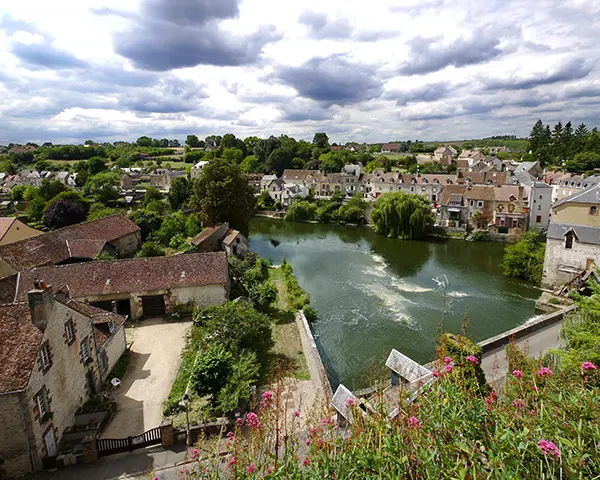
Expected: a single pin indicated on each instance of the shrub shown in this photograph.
(525, 259)
(310, 313)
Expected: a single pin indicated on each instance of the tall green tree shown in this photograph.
(401, 215)
(192, 141)
(179, 193)
(321, 140)
(223, 194)
(103, 187)
(525, 259)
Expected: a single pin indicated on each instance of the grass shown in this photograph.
(120, 368)
(287, 349)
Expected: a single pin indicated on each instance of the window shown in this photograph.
(539, 207)
(434, 190)
(69, 330)
(538, 219)
(42, 402)
(479, 203)
(593, 210)
(471, 203)
(540, 197)
(45, 356)
(412, 189)
(569, 240)
(85, 350)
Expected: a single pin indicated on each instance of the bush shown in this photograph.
(458, 348)
(63, 213)
(151, 249)
(310, 313)
(525, 259)
(297, 297)
(301, 210)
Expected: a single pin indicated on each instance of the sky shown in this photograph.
(360, 70)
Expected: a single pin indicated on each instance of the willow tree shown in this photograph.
(401, 215)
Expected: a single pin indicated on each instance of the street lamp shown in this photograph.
(186, 402)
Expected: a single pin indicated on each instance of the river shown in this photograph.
(373, 293)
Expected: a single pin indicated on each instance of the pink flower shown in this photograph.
(350, 402)
(518, 403)
(472, 359)
(517, 373)
(548, 448)
(544, 372)
(267, 396)
(252, 421)
(448, 368)
(239, 421)
(307, 441)
(326, 421)
(306, 462)
(195, 453)
(296, 413)
(414, 422)
(447, 360)
(435, 374)
(588, 366)
(230, 434)
(231, 462)
(251, 468)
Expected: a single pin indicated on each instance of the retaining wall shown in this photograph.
(313, 358)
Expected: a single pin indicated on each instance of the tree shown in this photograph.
(402, 215)
(233, 154)
(179, 193)
(152, 193)
(251, 164)
(321, 140)
(144, 141)
(151, 249)
(35, 209)
(96, 165)
(172, 225)
(353, 211)
(301, 210)
(99, 210)
(192, 141)
(102, 187)
(148, 222)
(222, 194)
(584, 162)
(16, 194)
(50, 189)
(212, 370)
(525, 259)
(64, 212)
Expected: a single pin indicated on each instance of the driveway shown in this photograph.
(155, 359)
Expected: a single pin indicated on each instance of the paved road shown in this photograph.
(495, 363)
(155, 360)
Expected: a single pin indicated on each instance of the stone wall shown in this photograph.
(129, 244)
(203, 296)
(114, 348)
(14, 456)
(557, 255)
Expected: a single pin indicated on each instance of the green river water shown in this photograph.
(373, 293)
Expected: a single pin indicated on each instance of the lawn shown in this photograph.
(287, 350)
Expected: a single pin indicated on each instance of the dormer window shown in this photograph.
(594, 210)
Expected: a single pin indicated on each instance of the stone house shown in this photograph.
(571, 185)
(380, 182)
(390, 148)
(472, 156)
(196, 170)
(74, 243)
(429, 185)
(444, 154)
(12, 229)
(533, 168)
(255, 179)
(573, 239)
(453, 208)
(290, 192)
(511, 209)
(221, 238)
(55, 354)
(140, 287)
(539, 202)
(275, 189)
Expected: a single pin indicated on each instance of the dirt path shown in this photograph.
(155, 359)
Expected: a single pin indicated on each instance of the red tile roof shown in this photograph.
(85, 248)
(5, 224)
(100, 318)
(8, 287)
(19, 345)
(131, 275)
(204, 234)
(51, 248)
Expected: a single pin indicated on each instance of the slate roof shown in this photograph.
(51, 248)
(590, 195)
(131, 275)
(301, 175)
(19, 345)
(343, 401)
(583, 234)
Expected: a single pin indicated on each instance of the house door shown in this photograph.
(50, 443)
(153, 306)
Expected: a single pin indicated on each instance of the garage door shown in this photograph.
(153, 306)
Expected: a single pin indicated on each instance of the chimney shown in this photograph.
(41, 303)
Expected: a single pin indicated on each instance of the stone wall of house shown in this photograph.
(65, 381)
(14, 456)
(203, 296)
(557, 255)
(213, 242)
(128, 245)
(114, 348)
(576, 214)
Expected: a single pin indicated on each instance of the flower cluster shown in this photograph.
(588, 366)
(518, 403)
(517, 373)
(252, 421)
(414, 422)
(548, 448)
(544, 372)
(490, 400)
(473, 359)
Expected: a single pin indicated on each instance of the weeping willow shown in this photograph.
(400, 215)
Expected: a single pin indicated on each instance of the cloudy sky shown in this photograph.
(364, 70)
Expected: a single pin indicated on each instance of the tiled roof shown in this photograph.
(19, 345)
(52, 248)
(131, 275)
(100, 318)
(8, 287)
(480, 192)
(302, 175)
(591, 235)
(85, 248)
(204, 234)
(5, 224)
(503, 193)
(451, 190)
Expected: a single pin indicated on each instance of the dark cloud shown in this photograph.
(168, 96)
(430, 54)
(333, 80)
(300, 112)
(426, 93)
(44, 55)
(185, 33)
(322, 27)
(573, 69)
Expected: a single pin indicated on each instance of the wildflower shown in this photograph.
(253, 421)
(306, 462)
(548, 448)
(414, 422)
(268, 471)
(435, 374)
(313, 430)
(448, 368)
(231, 462)
(447, 360)
(296, 413)
(489, 400)
(307, 441)
(350, 402)
(532, 412)
(472, 359)
(230, 434)
(251, 468)
(518, 403)
(239, 421)
(326, 420)
(195, 453)
(598, 445)
(517, 373)
(588, 366)
(544, 372)
(534, 388)
(267, 396)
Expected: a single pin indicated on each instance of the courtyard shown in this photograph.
(155, 359)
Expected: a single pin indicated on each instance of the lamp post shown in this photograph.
(186, 402)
